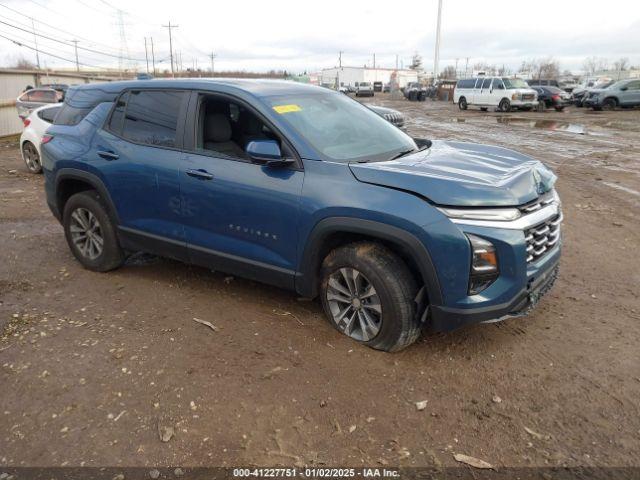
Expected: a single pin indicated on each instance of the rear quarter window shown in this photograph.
(48, 114)
(68, 115)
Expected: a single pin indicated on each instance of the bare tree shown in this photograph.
(485, 67)
(20, 62)
(448, 73)
(548, 68)
(416, 62)
(621, 64)
(592, 65)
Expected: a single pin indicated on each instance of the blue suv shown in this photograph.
(306, 189)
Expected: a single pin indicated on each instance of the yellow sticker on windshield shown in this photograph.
(287, 108)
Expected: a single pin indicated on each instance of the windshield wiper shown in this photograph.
(407, 152)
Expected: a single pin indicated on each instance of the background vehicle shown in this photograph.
(580, 93)
(61, 88)
(377, 86)
(35, 126)
(34, 98)
(552, 97)
(364, 89)
(389, 114)
(313, 192)
(624, 93)
(501, 92)
(544, 82)
(415, 91)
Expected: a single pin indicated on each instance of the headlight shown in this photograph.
(490, 214)
(484, 264)
(515, 96)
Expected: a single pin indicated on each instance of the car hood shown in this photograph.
(462, 174)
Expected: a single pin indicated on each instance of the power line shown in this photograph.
(69, 45)
(57, 29)
(20, 44)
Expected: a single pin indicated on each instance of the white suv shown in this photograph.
(364, 89)
(501, 92)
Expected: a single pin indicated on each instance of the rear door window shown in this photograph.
(151, 117)
(486, 84)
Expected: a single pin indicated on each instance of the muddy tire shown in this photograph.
(368, 294)
(462, 103)
(90, 233)
(31, 157)
(609, 104)
(505, 105)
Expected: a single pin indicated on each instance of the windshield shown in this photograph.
(340, 128)
(365, 84)
(515, 83)
(604, 84)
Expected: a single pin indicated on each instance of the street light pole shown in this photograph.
(437, 54)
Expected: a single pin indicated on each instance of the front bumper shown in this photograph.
(443, 319)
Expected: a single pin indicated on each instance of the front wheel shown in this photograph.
(462, 103)
(31, 157)
(368, 294)
(609, 104)
(90, 233)
(505, 105)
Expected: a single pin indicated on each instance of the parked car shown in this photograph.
(389, 114)
(624, 93)
(580, 93)
(61, 88)
(35, 126)
(377, 86)
(543, 82)
(386, 88)
(415, 91)
(364, 89)
(34, 98)
(552, 97)
(301, 187)
(501, 92)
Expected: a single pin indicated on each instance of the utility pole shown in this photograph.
(146, 55)
(340, 58)
(466, 65)
(457, 67)
(153, 57)
(35, 40)
(75, 42)
(212, 56)
(437, 55)
(171, 46)
(396, 61)
(374, 61)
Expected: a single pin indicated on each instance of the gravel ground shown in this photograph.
(96, 368)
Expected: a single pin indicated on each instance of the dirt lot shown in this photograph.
(92, 365)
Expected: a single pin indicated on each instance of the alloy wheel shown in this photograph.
(31, 157)
(86, 233)
(354, 303)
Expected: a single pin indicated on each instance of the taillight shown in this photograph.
(46, 139)
(26, 122)
(556, 97)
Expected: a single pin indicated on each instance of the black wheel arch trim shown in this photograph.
(306, 279)
(91, 179)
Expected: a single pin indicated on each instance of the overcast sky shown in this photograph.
(299, 35)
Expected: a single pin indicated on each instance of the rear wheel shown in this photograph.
(609, 104)
(368, 294)
(462, 103)
(90, 232)
(31, 157)
(504, 105)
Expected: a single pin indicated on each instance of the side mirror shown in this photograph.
(422, 143)
(624, 89)
(267, 152)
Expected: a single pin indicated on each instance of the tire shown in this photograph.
(609, 104)
(462, 103)
(504, 105)
(385, 320)
(31, 157)
(84, 212)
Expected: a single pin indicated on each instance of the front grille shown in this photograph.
(540, 202)
(542, 238)
(528, 96)
(396, 119)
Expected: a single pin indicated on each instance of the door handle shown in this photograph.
(108, 155)
(201, 174)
